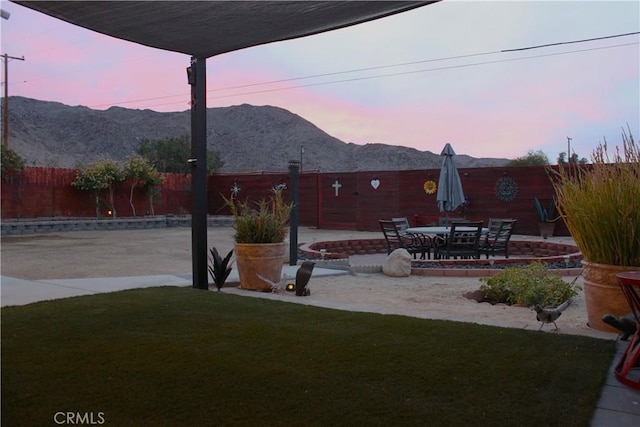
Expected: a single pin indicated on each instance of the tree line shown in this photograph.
(538, 158)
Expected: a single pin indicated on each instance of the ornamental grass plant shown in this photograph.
(260, 222)
(600, 204)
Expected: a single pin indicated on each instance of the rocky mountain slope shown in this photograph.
(249, 138)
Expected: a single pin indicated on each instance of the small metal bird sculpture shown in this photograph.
(275, 287)
(302, 278)
(550, 315)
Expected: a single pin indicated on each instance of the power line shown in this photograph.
(384, 67)
(569, 42)
(417, 62)
(421, 71)
(357, 70)
(406, 73)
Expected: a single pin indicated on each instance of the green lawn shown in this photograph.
(184, 357)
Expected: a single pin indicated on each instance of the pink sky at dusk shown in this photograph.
(501, 109)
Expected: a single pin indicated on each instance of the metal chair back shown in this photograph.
(396, 237)
(461, 242)
(496, 240)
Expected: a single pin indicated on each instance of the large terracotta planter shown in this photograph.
(256, 260)
(603, 295)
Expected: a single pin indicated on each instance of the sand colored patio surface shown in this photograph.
(89, 254)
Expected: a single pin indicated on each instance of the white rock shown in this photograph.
(397, 264)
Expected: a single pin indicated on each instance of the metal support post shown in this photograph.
(197, 74)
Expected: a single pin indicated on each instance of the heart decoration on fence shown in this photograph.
(375, 183)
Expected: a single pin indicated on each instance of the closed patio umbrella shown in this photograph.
(450, 194)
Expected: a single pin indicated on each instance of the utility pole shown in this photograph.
(569, 149)
(5, 120)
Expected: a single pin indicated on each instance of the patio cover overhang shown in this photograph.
(206, 28)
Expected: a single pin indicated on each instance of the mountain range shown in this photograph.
(249, 138)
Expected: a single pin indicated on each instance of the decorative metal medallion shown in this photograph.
(430, 187)
(506, 189)
(235, 189)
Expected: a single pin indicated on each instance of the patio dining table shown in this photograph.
(441, 230)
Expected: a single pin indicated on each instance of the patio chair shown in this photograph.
(418, 240)
(496, 241)
(413, 243)
(402, 223)
(461, 242)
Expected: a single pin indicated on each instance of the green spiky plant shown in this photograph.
(547, 214)
(261, 222)
(219, 267)
(600, 204)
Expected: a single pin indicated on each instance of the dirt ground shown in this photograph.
(87, 254)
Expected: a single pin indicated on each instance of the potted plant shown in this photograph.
(600, 204)
(260, 231)
(546, 217)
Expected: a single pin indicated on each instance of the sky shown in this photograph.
(420, 79)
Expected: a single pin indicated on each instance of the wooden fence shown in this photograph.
(344, 200)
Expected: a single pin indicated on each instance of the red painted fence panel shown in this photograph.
(347, 200)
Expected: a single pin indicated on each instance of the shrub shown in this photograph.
(11, 162)
(528, 285)
(97, 177)
(140, 172)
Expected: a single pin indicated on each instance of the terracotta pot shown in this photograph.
(603, 295)
(546, 229)
(256, 260)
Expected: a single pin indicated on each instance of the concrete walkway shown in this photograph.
(20, 292)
